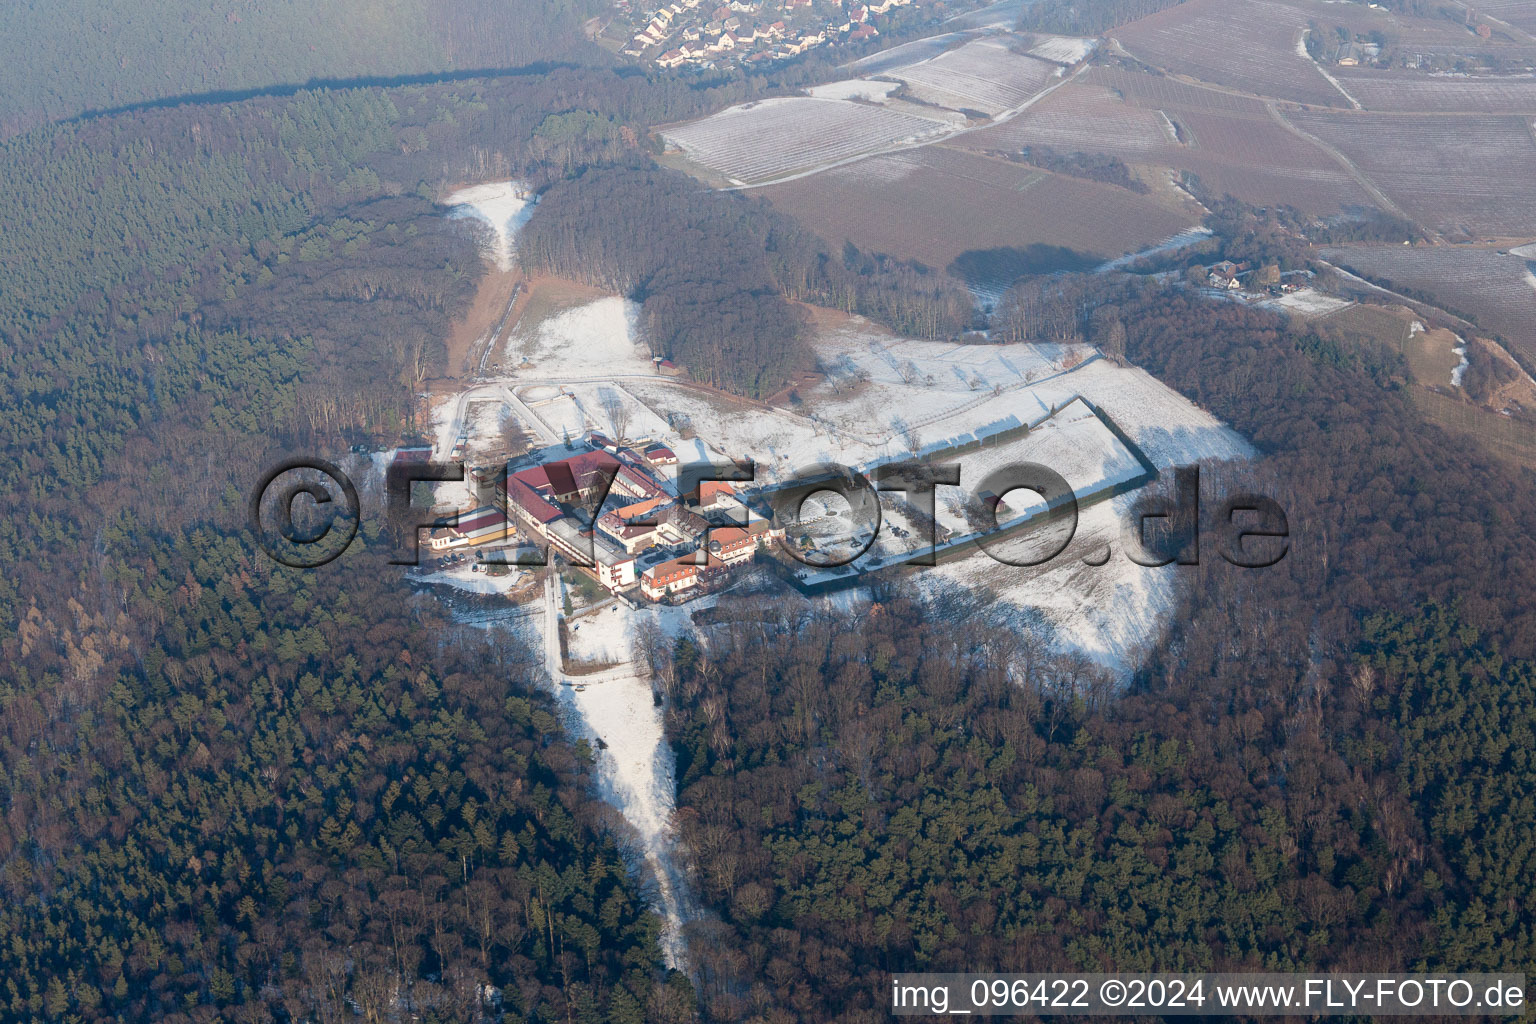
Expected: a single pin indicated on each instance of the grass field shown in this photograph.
(1432, 358)
(1243, 44)
(1468, 176)
(769, 139)
(1511, 438)
(1496, 290)
(934, 203)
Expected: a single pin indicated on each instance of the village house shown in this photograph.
(1224, 275)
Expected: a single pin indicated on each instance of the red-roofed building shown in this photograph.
(731, 545)
(413, 454)
(660, 455)
(669, 577)
(714, 492)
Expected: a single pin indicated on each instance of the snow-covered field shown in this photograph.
(854, 88)
(1308, 303)
(1171, 244)
(1063, 49)
(504, 206)
(767, 139)
(984, 75)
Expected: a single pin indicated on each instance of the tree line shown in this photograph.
(718, 274)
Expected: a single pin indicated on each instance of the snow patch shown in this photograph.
(1461, 368)
(1171, 244)
(854, 88)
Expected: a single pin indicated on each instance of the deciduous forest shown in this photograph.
(1276, 792)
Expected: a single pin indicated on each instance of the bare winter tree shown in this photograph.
(617, 410)
(516, 439)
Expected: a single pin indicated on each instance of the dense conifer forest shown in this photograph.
(81, 57)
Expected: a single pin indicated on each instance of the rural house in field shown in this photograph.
(1224, 275)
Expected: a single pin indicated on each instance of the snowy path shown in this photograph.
(636, 769)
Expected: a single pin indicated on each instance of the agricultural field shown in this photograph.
(1442, 30)
(934, 203)
(758, 142)
(1063, 49)
(1384, 90)
(1495, 289)
(1250, 45)
(1232, 142)
(905, 54)
(1467, 176)
(1439, 359)
(1520, 13)
(985, 75)
(1080, 117)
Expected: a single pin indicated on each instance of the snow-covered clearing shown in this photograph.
(1525, 252)
(616, 710)
(868, 411)
(503, 205)
(598, 339)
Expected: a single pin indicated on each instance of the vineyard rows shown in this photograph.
(1231, 142)
(769, 139)
(1495, 289)
(983, 75)
(934, 203)
(1244, 44)
(1421, 92)
(1466, 175)
(1080, 117)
